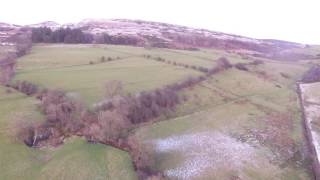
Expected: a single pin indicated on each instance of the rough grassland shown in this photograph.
(75, 160)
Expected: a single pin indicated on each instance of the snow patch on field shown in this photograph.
(204, 151)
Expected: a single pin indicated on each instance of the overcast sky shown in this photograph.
(294, 20)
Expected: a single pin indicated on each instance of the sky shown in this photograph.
(292, 20)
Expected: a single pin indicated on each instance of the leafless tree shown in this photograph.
(113, 88)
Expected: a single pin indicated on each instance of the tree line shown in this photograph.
(61, 35)
(77, 36)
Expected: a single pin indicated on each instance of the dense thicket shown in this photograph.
(116, 39)
(61, 35)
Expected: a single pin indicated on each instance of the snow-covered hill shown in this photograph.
(171, 36)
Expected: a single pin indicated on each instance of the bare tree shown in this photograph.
(113, 88)
(113, 125)
(140, 154)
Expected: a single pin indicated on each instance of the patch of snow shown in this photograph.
(204, 151)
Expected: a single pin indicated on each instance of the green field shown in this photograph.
(235, 124)
(46, 66)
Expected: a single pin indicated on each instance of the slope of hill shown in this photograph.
(173, 36)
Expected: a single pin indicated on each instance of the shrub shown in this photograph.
(26, 87)
(241, 66)
(148, 105)
(160, 59)
(223, 63)
(113, 88)
(113, 124)
(103, 59)
(110, 59)
(31, 133)
(257, 62)
(141, 155)
(202, 69)
(284, 75)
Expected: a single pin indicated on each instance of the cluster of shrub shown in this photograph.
(25, 87)
(103, 59)
(61, 35)
(243, 66)
(197, 68)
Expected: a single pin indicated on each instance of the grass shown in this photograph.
(76, 159)
(136, 73)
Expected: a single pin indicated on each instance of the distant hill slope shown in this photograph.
(163, 35)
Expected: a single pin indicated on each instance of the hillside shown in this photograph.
(174, 36)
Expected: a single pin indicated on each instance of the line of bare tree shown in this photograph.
(187, 66)
(104, 59)
(244, 66)
(22, 44)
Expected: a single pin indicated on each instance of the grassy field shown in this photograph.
(51, 67)
(236, 124)
(76, 159)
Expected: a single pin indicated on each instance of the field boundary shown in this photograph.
(308, 136)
